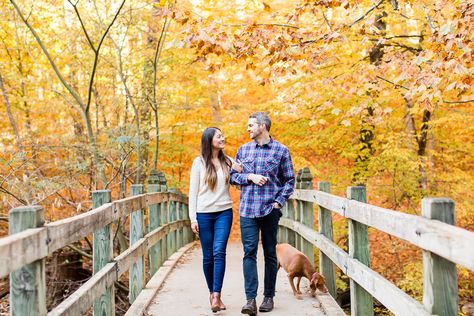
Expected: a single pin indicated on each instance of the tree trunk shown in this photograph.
(19, 142)
(421, 140)
(214, 99)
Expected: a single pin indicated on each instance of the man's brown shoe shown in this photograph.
(250, 308)
(267, 305)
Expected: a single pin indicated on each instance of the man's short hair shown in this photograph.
(262, 118)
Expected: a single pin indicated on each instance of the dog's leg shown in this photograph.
(291, 278)
(298, 285)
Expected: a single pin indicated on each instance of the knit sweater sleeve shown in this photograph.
(194, 189)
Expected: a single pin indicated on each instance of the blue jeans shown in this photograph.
(250, 229)
(214, 230)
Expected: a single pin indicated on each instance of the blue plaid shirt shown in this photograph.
(271, 160)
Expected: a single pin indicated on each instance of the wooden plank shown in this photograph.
(127, 259)
(137, 270)
(102, 254)
(176, 197)
(326, 266)
(440, 286)
(156, 235)
(27, 284)
(146, 296)
(155, 197)
(71, 229)
(362, 302)
(448, 241)
(81, 300)
(383, 290)
(22, 248)
(123, 207)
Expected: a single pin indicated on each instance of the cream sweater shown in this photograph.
(201, 198)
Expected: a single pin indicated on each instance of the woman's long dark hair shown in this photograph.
(206, 152)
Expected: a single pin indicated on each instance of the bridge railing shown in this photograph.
(443, 245)
(23, 253)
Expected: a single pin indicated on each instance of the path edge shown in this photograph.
(145, 297)
(329, 305)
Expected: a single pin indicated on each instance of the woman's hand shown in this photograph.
(237, 167)
(195, 228)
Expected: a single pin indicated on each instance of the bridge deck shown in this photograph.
(185, 291)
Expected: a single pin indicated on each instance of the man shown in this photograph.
(267, 181)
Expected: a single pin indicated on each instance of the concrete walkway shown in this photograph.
(185, 292)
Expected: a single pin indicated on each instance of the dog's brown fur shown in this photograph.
(297, 265)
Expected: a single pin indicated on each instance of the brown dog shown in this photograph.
(297, 265)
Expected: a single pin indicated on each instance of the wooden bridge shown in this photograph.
(156, 247)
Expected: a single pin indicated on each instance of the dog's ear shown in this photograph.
(315, 277)
(319, 281)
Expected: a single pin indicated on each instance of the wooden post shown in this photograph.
(282, 231)
(440, 284)
(307, 215)
(189, 232)
(326, 266)
(177, 217)
(361, 301)
(137, 270)
(164, 221)
(163, 214)
(171, 235)
(291, 235)
(154, 221)
(103, 253)
(185, 229)
(27, 284)
(298, 209)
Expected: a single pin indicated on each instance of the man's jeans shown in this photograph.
(249, 228)
(214, 230)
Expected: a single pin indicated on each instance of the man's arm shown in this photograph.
(244, 178)
(288, 179)
(236, 177)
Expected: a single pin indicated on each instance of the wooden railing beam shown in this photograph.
(448, 241)
(386, 292)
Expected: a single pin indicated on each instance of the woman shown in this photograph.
(210, 209)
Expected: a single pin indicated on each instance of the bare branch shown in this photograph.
(4, 190)
(326, 19)
(79, 251)
(456, 102)
(74, 5)
(96, 57)
(395, 84)
(71, 90)
(430, 21)
(366, 13)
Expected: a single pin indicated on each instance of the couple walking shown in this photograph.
(264, 171)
